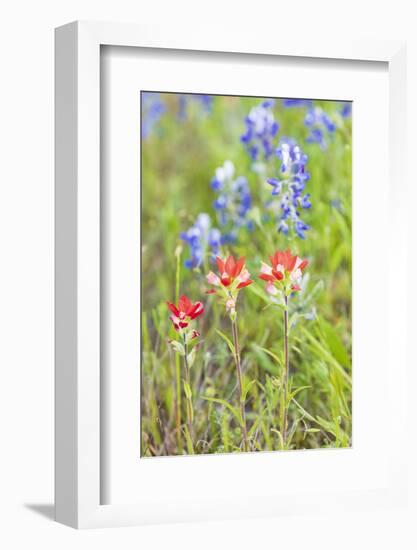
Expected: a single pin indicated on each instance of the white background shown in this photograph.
(26, 275)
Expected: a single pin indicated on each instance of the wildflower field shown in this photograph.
(245, 274)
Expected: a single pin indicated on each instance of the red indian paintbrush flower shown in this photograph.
(185, 312)
(232, 277)
(284, 273)
(231, 272)
(184, 345)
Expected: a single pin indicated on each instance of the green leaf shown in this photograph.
(259, 293)
(256, 216)
(189, 441)
(326, 425)
(233, 410)
(344, 226)
(246, 389)
(281, 440)
(227, 340)
(325, 354)
(335, 344)
(224, 427)
(271, 354)
(187, 389)
(263, 360)
(305, 413)
(256, 423)
(191, 358)
(292, 431)
(274, 304)
(177, 347)
(295, 392)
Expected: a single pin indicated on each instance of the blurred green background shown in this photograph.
(179, 154)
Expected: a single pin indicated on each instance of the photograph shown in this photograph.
(246, 274)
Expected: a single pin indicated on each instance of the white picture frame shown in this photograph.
(78, 405)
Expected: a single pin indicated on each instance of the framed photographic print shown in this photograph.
(225, 341)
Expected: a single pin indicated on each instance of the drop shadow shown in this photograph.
(45, 510)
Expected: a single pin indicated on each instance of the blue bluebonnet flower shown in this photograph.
(261, 128)
(297, 102)
(321, 126)
(152, 110)
(289, 189)
(233, 201)
(203, 240)
(205, 100)
(346, 109)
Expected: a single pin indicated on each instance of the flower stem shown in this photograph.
(284, 427)
(189, 398)
(178, 397)
(240, 382)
